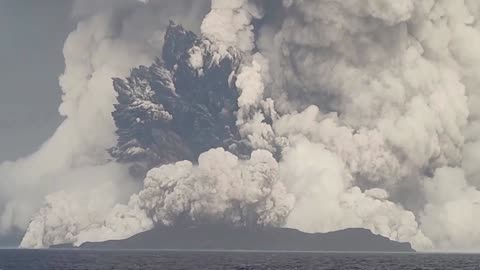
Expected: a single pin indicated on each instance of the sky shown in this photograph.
(31, 59)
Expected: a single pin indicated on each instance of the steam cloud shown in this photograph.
(359, 114)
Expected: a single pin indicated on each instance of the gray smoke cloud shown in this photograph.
(359, 114)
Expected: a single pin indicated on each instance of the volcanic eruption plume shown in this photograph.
(318, 115)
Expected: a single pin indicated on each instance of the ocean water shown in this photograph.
(146, 260)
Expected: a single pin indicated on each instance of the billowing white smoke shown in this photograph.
(79, 143)
(229, 24)
(395, 85)
(74, 211)
(450, 216)
(371, 105)
(327, 198)
(220, 189)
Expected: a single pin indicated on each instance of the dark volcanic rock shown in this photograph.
(180, 106)
(237, 238)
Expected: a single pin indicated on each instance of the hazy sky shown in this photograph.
(31, 43)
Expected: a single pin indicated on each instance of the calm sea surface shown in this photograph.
(123, 260)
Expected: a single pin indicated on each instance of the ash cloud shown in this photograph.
(337, 114)
(179, 107)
